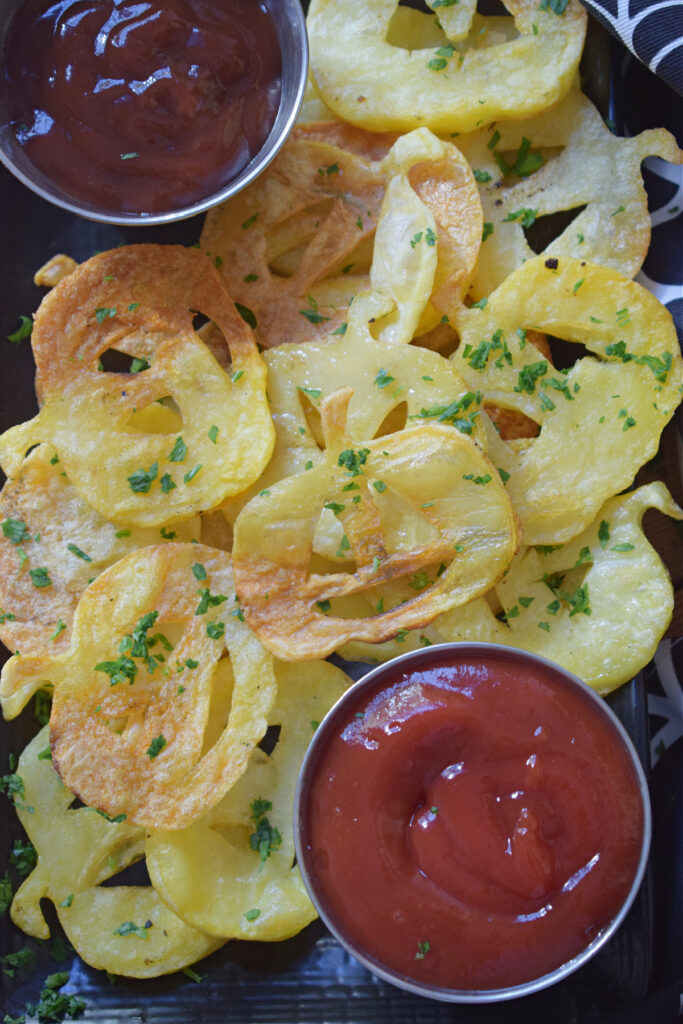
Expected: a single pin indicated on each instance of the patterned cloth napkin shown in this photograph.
(651, 29)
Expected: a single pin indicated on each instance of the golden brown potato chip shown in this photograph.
(52, 272)
(121, 929)
(132, 696)
(159, 468)
(605, 414)
(52, 545)
(407, 502)
(232, 872)
(297, 246)
(563, 159)
(366, 80)
(598, 605)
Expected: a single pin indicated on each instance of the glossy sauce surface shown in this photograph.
(141, 105)
(472, 828)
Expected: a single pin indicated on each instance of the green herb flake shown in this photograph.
(341, 329)
(526, 216)
(155, 747)
(494, 140)
(23, 330)
(103, 313)
(251, 915)
(383, 378)
(266, 838)
(75, 550)
(191, 474)
(213, 433)
(40, 578)
(422, 950)
(249, 221)
(482, 176)
(215, 630)
(60, 627)
(141, 480)
(247, 315)
(130, 928)
(488, 230)
(167, 483)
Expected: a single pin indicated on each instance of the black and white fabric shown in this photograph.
(651, 29)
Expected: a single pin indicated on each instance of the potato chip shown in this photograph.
(52, 272)
(154, 474)
(393, 386)
(232, 872)
(598, 605)
(595, 173)
(453, 87)
(407, 502)
(132, 695)
(121, 929)
(52, 545)
(297, 246)
(605, 414)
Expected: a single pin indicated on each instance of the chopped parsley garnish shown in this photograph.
(485, 479)
(529, 374)
(178, 451)
(167, 534)
(23, 857)
(167, 483)
(482, 304)
(246, 314)
(419, 581)
(40, 578)
(130, 928)
(15, 530)
(526, 161)
(430, 238)
(344, 545)
(208, 600)
(155, 747)
(482, 176)
(488, 230)
(422, 950)
(142, 479)
(78, 552)
(379, 486)
(215, 630)
(418, 236)
(383, 379)
(313, 316)
(455, 413)
(198, 571)
(335, 507)
(23, 330)
(314, 393)
(556, 6)
(59, 628)
(252, 914)
(352, 459)
(526, 216)
(213, 433)
(191, 474)
(504, 475)
(341, 329)
(249, 221)
(324, 606)
(266, 838)
(129, 156)
(103, 313)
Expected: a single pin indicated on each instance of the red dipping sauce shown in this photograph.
(472, 821)
(143, 106)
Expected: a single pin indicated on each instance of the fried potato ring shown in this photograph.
(432, 512)
(77, 851)
(209, 873)
(297, 246)
(48, 528)
(155, 475)
(605, 414)
(384, 87)
(393, 386)
(595, 169)
(127, 732)
(598, 605)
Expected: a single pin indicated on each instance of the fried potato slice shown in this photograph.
(121, 929)
(52, 545)
(160, 468)
(232, 872)
(128, 716)
(598, 605)
(300, 243)
(406, 501)
(605, 414)
(454, 87)
(585, 165)
(393, 386)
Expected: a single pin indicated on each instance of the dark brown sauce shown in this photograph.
(141, 106)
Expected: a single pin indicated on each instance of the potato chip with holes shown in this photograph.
(51, 547)
(454, 86)
(605, 414)
(563, 159)
(132, 696)
(598, 605)
(125, 930)
(406, 502)
(297, 246)
(232, 872)
(159, 468)
(393, 386)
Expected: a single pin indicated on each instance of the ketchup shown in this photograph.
(141, 106)
(472, 824)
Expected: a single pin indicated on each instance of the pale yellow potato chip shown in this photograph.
(583, 165)
(51, 547)
(232, 872)
(598, 605)
(605, 414)
(52, 272)
(393, 386)
(125, 930)
(368, 81)
(152, 478)
(132, 695)
(406, 501)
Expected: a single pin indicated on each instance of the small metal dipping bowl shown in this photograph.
(416, 660)
(290, 25)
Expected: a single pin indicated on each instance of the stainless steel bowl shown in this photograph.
(416, 660)
(290, 25)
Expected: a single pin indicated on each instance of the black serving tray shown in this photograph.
(310, 978)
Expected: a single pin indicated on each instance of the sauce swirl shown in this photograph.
(472, 825)
(141, 106)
